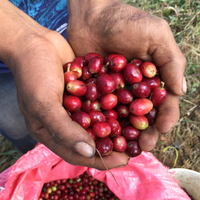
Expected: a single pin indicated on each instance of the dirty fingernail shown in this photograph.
(123, 165)
(184, 85)
(84, 149)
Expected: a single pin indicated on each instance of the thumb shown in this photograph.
(62, 129)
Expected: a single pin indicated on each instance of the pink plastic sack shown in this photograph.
(144, 178)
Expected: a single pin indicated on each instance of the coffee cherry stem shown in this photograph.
(68, 67)
(107, 64)
(162, 84)
(107, 167)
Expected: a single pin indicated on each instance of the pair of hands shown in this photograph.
(104, 27)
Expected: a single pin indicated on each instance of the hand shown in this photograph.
(36, 60)
(113, 27)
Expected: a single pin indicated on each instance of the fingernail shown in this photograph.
(168, 131)
(184, 85)
(84, 149)
(123, 165)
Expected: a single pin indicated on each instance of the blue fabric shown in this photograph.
(52, 14)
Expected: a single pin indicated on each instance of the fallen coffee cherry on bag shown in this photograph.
(82, 187)
(113, 99)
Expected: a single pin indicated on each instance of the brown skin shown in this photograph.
(113, 27)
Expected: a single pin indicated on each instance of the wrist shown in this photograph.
(81, 7)
(17, 29)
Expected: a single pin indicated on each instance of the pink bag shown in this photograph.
(144, 178)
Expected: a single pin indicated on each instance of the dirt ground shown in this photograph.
(181, 147)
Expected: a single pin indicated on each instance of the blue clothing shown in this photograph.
(52, 14)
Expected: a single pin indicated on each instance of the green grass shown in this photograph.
(8, 154)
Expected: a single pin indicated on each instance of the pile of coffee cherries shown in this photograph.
(113, 99)
(83, 187)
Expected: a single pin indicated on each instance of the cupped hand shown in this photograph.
(113, 27)
(38, 72)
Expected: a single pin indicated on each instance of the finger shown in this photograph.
(168, 57)
(113, 160)
(69, 155)
(54, 118)
(168, 113)
(148, 138)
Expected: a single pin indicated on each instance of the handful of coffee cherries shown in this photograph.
(113, 99)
